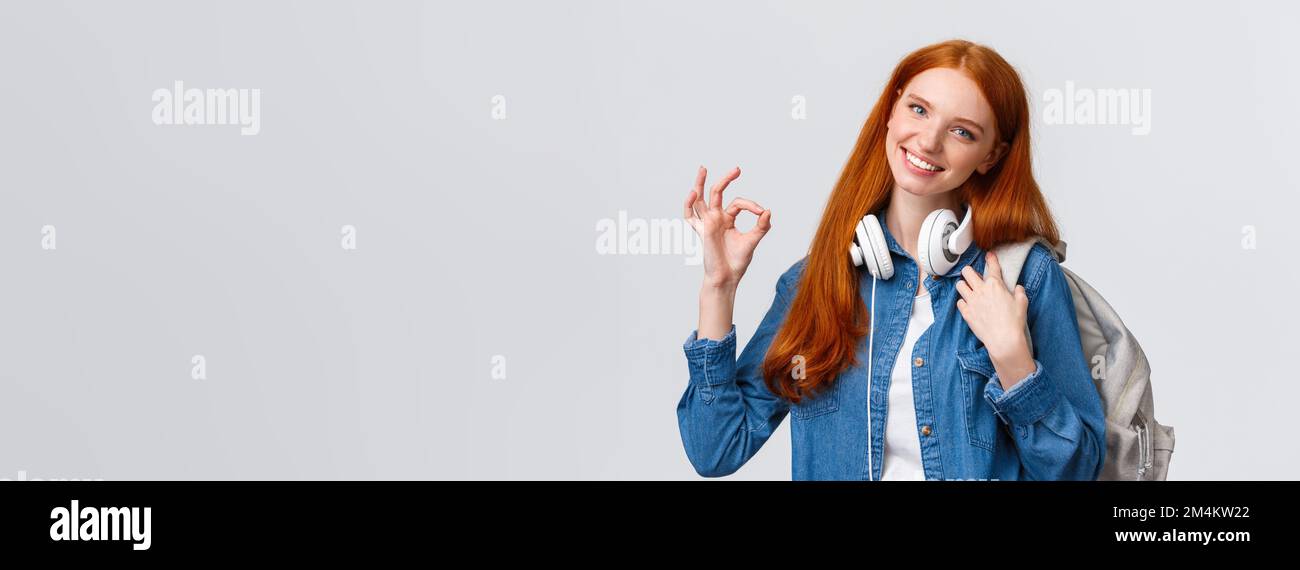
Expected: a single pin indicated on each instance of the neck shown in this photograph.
(907, 211)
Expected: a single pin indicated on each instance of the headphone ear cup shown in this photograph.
(931, 243)
(961, 238)
(855, 253)
(860, 246)
(876, 249)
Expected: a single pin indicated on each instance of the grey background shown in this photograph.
(476, 236)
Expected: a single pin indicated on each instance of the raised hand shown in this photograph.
(727, 251)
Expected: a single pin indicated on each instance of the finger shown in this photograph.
(697, 208)
(961, 307)
(963, 289)
(715, 197)
(687, 210)
(972, 278)
(699, 180)
(764, 223)
(738, 204)
(992, 268)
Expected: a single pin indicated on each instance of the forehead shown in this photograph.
(951, 93)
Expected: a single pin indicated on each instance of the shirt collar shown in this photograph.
(967, 258)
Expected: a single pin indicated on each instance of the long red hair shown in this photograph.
(828, 318)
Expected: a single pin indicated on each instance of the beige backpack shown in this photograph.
(1138, 448)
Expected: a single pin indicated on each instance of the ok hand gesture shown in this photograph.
(727, 251)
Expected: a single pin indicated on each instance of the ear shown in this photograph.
(993, 157)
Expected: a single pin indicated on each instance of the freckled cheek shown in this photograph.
(962, 163)
(898, 130)
(896, 127)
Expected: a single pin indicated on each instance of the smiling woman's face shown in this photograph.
(942, 122)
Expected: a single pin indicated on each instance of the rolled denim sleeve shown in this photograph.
(727, 412)
(1055, 414)
(1026, 402)
(711, 362)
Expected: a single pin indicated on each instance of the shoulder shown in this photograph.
(1041, 271)
(789, 280)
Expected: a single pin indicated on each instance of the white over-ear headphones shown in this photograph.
(940, 245)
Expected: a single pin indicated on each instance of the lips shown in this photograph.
(917, 169)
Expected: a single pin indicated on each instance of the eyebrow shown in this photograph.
(927, 104)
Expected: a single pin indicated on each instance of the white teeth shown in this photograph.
(920, 163)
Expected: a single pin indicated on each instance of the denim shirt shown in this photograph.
(1048, 426)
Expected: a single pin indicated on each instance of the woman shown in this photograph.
(955, 392)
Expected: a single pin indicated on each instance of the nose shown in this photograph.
(930, 140)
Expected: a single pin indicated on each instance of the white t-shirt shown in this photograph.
(902, 440)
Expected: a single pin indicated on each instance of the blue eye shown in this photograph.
(964, 133)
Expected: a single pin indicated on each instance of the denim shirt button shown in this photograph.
(919, 361)
(925, 430)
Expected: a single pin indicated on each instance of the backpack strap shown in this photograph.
(1012, 256)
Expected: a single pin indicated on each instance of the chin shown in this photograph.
(907, 182)
(923, 192)
(925, 188)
